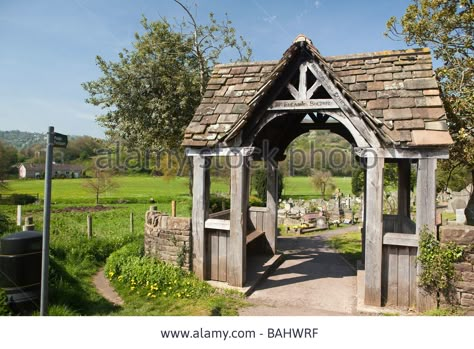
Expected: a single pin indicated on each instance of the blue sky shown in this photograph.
(48, 47)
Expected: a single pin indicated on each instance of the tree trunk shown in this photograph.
(469, 211)
(97, 198)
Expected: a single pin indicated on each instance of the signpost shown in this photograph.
(53, 140)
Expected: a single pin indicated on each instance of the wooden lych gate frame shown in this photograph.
(305, 96)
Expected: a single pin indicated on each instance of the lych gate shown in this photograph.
(386, 104)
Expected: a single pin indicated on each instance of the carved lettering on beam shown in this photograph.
(312, 104)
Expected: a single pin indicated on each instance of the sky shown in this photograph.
(48, 47)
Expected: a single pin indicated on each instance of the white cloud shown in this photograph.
(317, 3)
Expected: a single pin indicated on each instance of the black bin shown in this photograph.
(20, 269)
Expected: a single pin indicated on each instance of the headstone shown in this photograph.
(321, 223)
(460, 217)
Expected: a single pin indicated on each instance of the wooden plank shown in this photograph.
(199, 214)
(397, 153)
(400, 239)
(392, 270)
(260, 221)
(426, 195)
(312, 89)
(253, 235)
(303, 104)
(208, 255)
(270, 225)
(385, 267)
(404, 171)
(214, 255)
(220, 214)
(236, 260)
(219, 224)
(373, 233)
(229, 151)
(293, 91)
(403, 277)
(413, 279)
(258, 209)
(302, 81)
(223, 239)
(425, 216)
(344, 105)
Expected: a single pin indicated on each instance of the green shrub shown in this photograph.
(255, 201)
(218, 202)
(6, 225)
(151, 277)
(21, 199)
(259, 182)
(4, 308)
(438, 275)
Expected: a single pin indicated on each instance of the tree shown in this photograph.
(323, 181)
(100, 184)
(150, 94)
(447, 27)
(8, 159)
(259, 181)
(358, 180)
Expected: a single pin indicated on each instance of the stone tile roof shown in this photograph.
(395, 91)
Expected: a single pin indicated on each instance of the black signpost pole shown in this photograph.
(46, 222)
(53, 140)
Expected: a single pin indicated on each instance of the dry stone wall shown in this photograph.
(462, 235)
(168, 238)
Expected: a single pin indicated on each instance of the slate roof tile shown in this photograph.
(398, 87)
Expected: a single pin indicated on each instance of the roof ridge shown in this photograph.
(385, 53)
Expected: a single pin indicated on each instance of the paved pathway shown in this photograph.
(102, 285)
(313, 280)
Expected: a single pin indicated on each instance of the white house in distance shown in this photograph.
(59, 171)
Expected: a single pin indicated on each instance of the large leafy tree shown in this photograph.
(149, 95)
(447, 27)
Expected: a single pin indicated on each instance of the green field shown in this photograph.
(75, 258)
(139, 189)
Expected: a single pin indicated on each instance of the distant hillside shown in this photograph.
(21, 139)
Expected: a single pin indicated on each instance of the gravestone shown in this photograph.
(460, 217)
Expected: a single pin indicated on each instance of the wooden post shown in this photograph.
(271, 216)
(237, 258)
(173, 208)
(18, 215)
(131, 222)
(373, 231)
(29, 224)
(404, 171)
(89, 226)
(425, 217)
(201, 181)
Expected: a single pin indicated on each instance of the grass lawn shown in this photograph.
(75, 259)
(301, 187)
(349, 246)
(142, 188)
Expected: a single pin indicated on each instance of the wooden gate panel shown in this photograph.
(217, 245)
(399, 281)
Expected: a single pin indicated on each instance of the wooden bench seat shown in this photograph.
(253, 235)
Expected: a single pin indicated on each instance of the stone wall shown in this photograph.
(462, 235)
(168, 238)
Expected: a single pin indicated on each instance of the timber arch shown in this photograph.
(386, 104)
